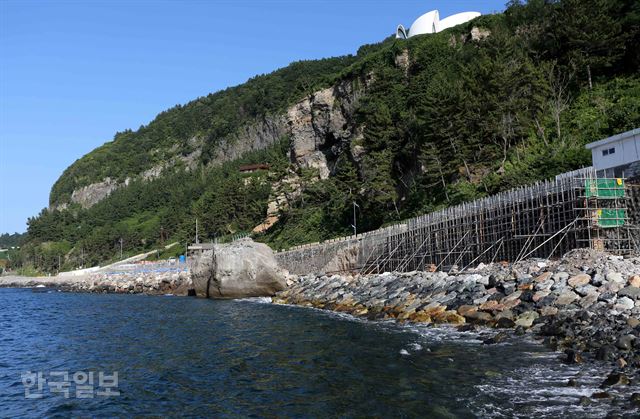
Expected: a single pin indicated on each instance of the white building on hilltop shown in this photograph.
(431, 23)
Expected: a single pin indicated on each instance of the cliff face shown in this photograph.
(320, 127)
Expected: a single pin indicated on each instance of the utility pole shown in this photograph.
(120, 248)
(355, 224)
(197, 241)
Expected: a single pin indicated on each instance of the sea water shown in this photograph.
(182, 356)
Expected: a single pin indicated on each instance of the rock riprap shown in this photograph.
(587, 302)
(136, 282)
(239, 269)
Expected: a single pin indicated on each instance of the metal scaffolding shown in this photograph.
(545, 220)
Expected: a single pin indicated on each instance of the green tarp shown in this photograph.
(608, 217)
(604, 188)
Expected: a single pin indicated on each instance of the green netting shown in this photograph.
(611, 217)
(604, 188)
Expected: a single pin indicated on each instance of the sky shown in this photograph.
(73, 73)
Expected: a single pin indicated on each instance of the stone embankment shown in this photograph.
(586, 304)
(177, 283)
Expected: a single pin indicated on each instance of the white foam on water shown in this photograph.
(538, 389)
(541, 390)
(433, 333)
(416, 346)
(443, 333)
(261, 300)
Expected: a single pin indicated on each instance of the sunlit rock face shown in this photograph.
(239, 269)
(430, 23)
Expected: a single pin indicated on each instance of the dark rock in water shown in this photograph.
(615, 379)
(635, 399)
(572, 382)
(606, 353)
(520, 331)
(191, 292)
(499, 337)
(625, 342)
(601, 395)
(479, 317)
(573, 357)
(584, 401)
(467, 328)
(505, 323)
(552, 329)
(551, 342)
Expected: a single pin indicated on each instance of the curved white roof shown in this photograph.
(457, 19)
(401, 32)
(427, 23)
(430, 23)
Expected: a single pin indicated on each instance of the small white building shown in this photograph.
(617, 156)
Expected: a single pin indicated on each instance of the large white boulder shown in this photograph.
(240, 269)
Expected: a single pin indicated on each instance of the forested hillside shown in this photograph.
(11, 240)
(401, 128)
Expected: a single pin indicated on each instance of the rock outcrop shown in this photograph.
(320, 126)
(90, 195)
(240, 269)
(259, 135)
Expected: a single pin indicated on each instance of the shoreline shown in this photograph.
(585, 306)
(152, 283)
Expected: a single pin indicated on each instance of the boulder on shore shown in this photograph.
(240, 269)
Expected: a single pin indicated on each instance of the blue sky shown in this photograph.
(73, 73)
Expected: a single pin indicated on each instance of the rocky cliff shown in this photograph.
(320, 127)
